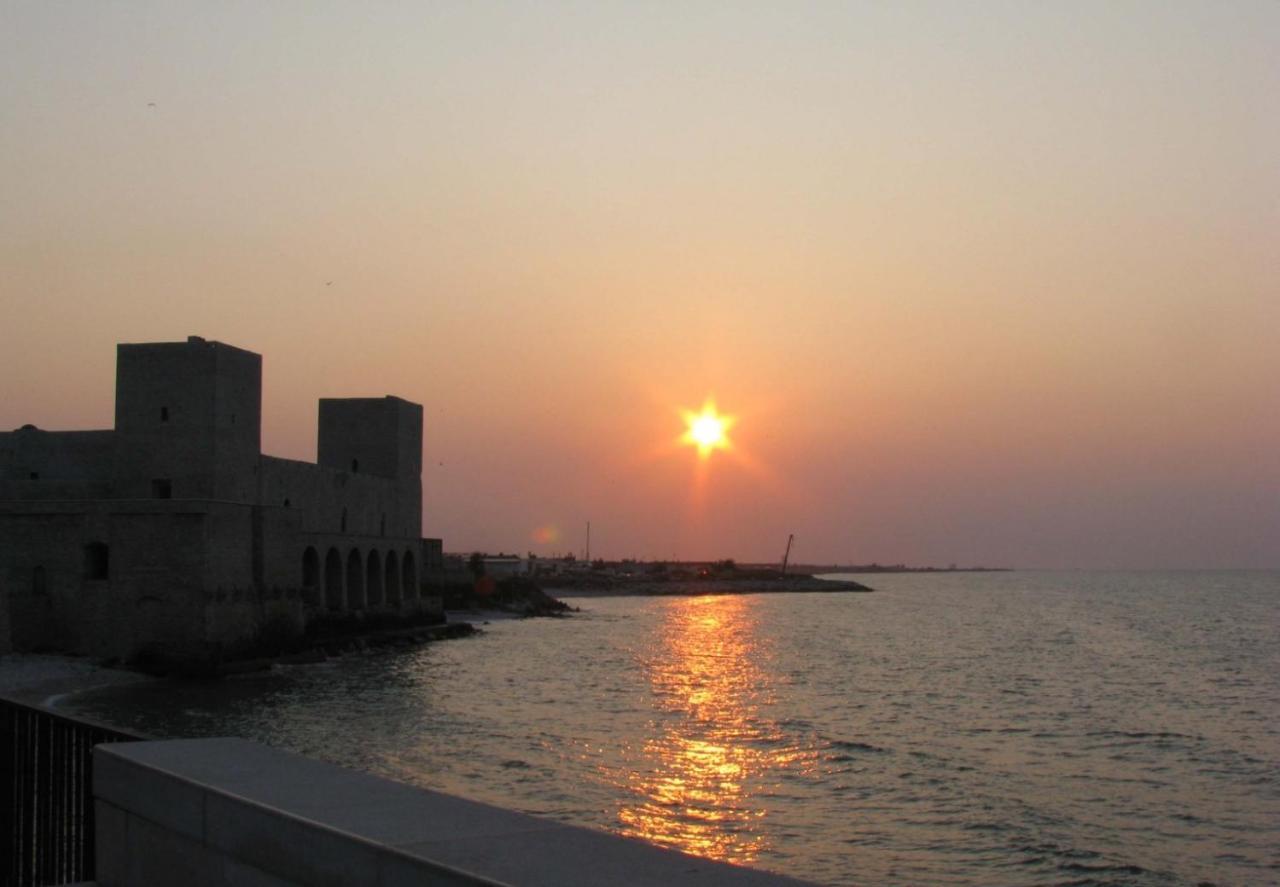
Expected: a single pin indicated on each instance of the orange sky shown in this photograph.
(986, 283)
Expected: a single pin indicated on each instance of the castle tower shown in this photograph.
(379, 436)
(188, 421)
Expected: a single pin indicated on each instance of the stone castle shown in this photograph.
(173, 534)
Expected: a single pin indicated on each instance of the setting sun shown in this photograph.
(707, 430)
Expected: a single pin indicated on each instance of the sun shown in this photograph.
(708, 430)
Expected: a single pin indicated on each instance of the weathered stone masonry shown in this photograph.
(174, 534)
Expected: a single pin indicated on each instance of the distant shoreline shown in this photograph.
(896, 568)
(698, 587)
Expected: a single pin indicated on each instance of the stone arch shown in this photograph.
(97, 561)
(392, 572)
(310, 568)
(355, 581)
(373, 579)
(334, 597)
(409, 573)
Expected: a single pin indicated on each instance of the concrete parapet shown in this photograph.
(227, 811)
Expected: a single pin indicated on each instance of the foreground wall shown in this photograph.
(206, 812)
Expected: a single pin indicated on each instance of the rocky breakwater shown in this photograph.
(514, 595)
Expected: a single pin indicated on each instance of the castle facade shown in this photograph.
(173, 534)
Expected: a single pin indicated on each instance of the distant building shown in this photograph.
(173, 534)
(499, 566)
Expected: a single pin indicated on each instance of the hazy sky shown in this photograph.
(982, 282)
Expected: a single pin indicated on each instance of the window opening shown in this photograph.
(97, 560)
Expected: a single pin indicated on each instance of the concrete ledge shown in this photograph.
(227, 811)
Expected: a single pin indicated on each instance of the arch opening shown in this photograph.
(392, 573)
(355, 581)
(310, 568)
(334, 596)
(373, 579)
(409, 574)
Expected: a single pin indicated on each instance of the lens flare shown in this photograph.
(546, 534)
(707, 430)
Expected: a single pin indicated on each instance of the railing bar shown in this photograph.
(40, 801)
(89, 834)
(73, 872)
(19, 794)
(31, 780)
(31, 785)
(60, 819)
(8, 777)
(44, 802)
(8, 748)
(20, 778)
(47, 837)
(64, 808)
(75, 812)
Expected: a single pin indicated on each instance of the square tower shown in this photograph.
(379, 436)
(188, 421)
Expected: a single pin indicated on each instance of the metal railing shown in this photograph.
(46, 794)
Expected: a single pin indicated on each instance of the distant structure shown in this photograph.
(174, 535)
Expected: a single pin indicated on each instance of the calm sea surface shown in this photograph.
(999, 728)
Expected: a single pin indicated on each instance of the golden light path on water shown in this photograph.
(699, 780)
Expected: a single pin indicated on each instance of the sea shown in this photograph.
(1003, 728)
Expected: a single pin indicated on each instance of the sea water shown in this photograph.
(950, 728)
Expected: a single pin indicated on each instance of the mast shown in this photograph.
(787, 555)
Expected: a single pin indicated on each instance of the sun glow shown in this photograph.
(708, 430)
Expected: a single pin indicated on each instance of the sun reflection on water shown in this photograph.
(712, 753)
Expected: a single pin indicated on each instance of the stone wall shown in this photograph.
(211, 812)
(37, 464)
(331, 500)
